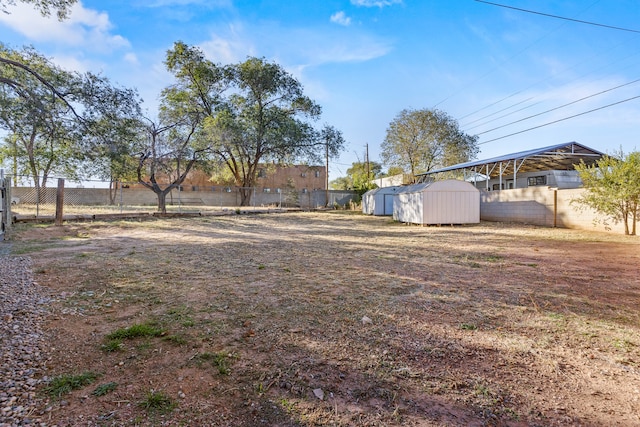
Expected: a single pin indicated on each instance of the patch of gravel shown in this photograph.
(22, 343)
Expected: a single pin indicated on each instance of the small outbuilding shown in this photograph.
(379, 201)
(449, 201)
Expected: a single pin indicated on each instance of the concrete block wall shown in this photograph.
(214, 196)
(532, 205)
(543, 206)
(574, 215)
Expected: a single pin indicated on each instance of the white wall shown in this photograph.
(441, 202)
(543, 206)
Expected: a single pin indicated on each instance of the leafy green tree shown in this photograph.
(178, 142)
(341, 183)
(171, 150)
(200, 84)
(62, 9)
(63, 108)
(72, 132)
(359, 177)
(40, 125)
(266, 118)
(362, 175)
(422, 140)
(613, 188)
(253, 112)
(394, 170)
(110, 131)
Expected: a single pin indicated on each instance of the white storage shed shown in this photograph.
(379, 201)
(441, 202)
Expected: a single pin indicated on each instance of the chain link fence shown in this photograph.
(99, 197)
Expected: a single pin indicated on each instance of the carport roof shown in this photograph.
(554, 157)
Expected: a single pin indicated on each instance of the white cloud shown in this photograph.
(320, 47)
(131, 58)
(85, 27)
(357, 52)
(231, 48)
(375, 3)
(341, 18)
(209, 3)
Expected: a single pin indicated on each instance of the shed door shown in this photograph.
(388, 204)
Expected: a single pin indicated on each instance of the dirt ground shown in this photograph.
(336, 319)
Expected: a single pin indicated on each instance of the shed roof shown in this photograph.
(554, 157)
(444, 185)
(382, 190)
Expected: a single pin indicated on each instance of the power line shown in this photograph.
(494, 69)
(531, 105)
(504, 115)
(530, 86)
(559, 17)
(496, 112)
(560, 120)
(533, 84)
(559, 107)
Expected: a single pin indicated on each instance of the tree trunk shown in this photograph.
(162, 202)
(245, 196)
(626, 225)
(113, 190)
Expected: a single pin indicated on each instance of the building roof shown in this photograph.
(383, 190)
(446, 185)
(554, 157)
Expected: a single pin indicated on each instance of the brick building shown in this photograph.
(271, 178)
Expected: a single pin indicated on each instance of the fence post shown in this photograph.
(121, 201)
(4, 203)
(59, 201)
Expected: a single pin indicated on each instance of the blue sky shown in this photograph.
(364, 61)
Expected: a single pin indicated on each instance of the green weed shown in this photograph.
(157, 401)
(144, 346)
(176, 339)
(64, 384)
(136, 331)
(288, 405)
(482, 390)
(220, 360)
(623, 344)
(113, 345)
(103, 389)
(181, 315)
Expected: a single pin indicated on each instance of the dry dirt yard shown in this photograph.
(336, 319)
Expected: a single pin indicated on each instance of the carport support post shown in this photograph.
(555, 208)
(488, 177)
(59, 201)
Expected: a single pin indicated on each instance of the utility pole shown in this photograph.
(367, 162)
(326, 186)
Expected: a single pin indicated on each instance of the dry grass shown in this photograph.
(315, 319)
